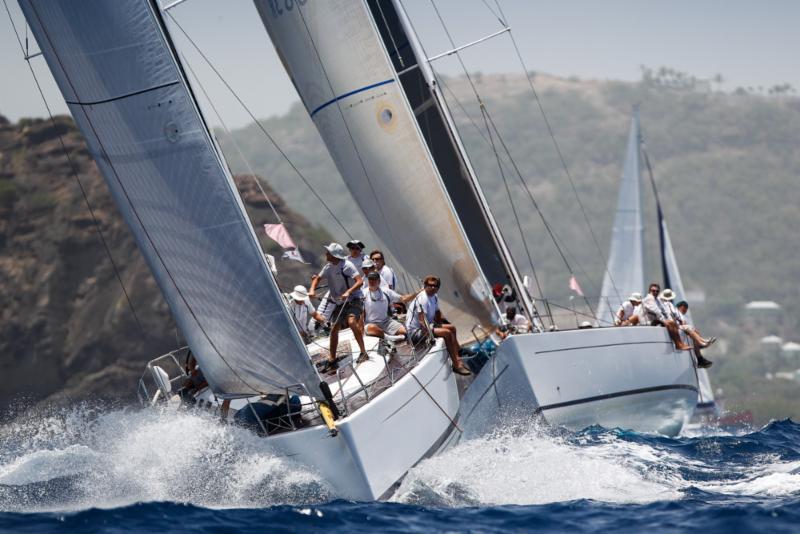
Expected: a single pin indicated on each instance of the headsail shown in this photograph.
(625, 269)
(125, 88)
(672, 279)
(346, 79)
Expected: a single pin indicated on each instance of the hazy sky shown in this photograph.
(751, 43)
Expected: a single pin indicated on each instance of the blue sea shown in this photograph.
(102, 469)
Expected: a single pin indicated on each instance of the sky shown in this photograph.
(750, 43)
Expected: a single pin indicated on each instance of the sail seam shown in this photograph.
(351, 93)
(122, 97)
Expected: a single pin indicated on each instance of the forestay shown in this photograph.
(118, 72)
(341, 70)
(625, 271)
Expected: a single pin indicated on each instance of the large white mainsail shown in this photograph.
(625, 269)
(126, 90)
(347, 82)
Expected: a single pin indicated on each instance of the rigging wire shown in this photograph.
(559, 241)
(259, 125)
(484, 113)
(75, 174)
(233, 140)
(556, 145)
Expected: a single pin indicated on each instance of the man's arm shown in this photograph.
(359, 282)
(312, 291)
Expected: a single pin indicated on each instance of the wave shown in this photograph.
(90, 457)
(81, 458)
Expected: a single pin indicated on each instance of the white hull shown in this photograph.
(629, 378)
(380, 441)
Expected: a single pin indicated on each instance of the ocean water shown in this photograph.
(125, 470)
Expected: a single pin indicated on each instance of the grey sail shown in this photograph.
(625, 270)
(347, 81)
(118, 72)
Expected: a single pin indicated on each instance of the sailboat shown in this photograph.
(125, 85)
(368, 87)
(625, 269)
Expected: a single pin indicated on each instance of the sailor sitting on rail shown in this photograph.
(376, 308)
(699, 341)
(515, 323)
(303, 311)
(424, 311)
(344, 284)
(656, 314)
(629, 311)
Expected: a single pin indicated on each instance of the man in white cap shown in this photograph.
(628, 312)
(678, 312)
(303, 311)
(344, 285)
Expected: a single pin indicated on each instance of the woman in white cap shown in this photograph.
(629, 311)
(303, 311)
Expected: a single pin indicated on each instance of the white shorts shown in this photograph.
(389, 326)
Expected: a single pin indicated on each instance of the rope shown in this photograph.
(259, 125)
(560, 241)
(75, 174)
(557, 148)
(484, 113)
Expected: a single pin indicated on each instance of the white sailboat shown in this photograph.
(366, 83)
(117, 68)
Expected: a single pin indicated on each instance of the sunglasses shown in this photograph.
(377, 258)
(436, 286)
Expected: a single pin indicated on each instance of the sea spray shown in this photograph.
(81, 458)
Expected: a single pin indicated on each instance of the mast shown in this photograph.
(122, 81)
(478, 202)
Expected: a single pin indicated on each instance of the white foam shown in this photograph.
(534, 468)
(123, 457)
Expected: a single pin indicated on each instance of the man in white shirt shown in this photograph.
(388, 279)
(628, 313)
(344, 286)
(425, 318)
(357, 258)
(699, 341)
(376, 308)
(515, 323)
(656, 314)
(303, 311)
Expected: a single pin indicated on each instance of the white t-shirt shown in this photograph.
(520, 322)
(388, 279)
(302, 311)
(335, 275)
(628, 311)
(376, 304)
(421, 303)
